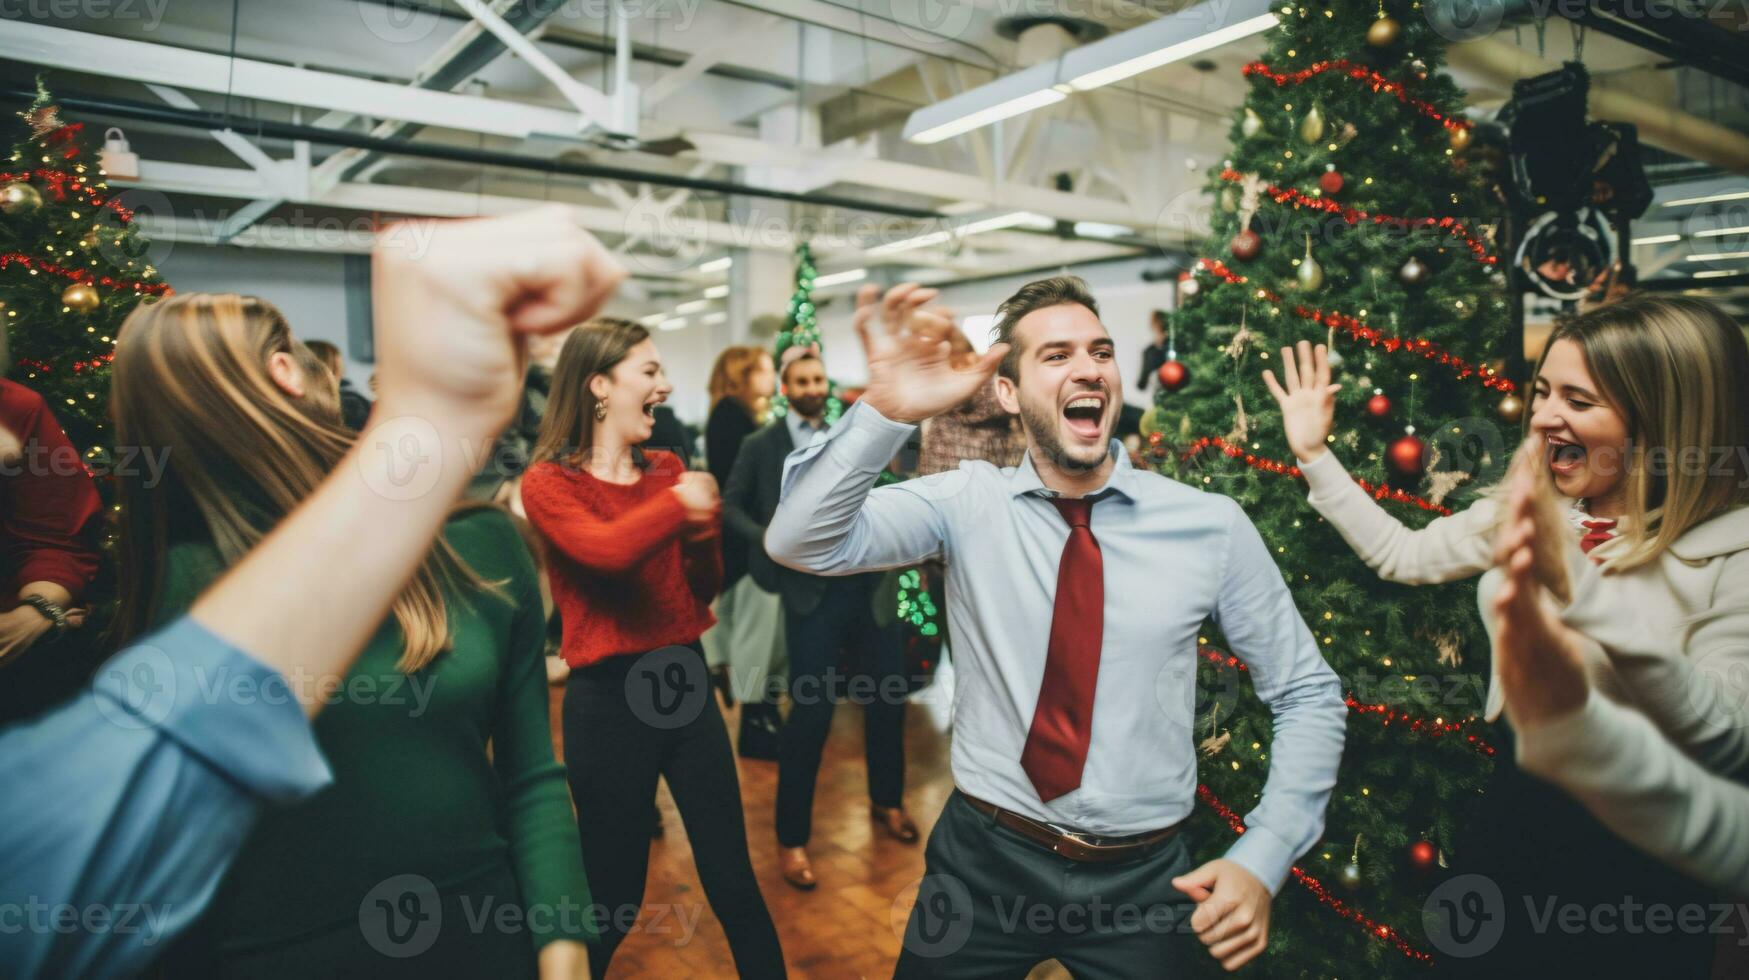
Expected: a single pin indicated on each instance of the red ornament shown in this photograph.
(1246, 245)
(1173, 375)
(1330, 182)
(1378, 406)
(1408, 456)
(1422, 854)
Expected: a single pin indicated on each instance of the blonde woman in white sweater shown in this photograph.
(1620, 394)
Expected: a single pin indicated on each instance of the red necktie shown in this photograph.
(1597, 531)
(1062, 724)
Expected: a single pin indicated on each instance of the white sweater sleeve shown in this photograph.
(1698, 693)
(1447, 549)
(1615, 762)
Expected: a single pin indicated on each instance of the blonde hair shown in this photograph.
(594, 348)
(191, 376)
(731, 376)
(1677, 369)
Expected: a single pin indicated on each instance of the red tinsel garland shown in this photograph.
(1360, 331)
(66, 134)
(84, 276)
(1360, 73)
(1282, 469)
(43, 367)
(60, 183)
(1433, 729)
(1356, 215)
(1316, 887)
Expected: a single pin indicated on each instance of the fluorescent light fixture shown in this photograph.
(1709, 199)
(711, 319)
(1168, 39)
(717, 265)
(1152, 53)
(1716, 232)
(1657, 240)
(1716, 256)
(672, 324)
(716, 292)
(1718, 273)
(693, 307)
(848, 275)
(1036, 99)
(1099, 229)
(1013, 219)
(652, 319)
(905, 245)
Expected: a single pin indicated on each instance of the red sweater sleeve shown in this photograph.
(601, 544)
(49, 506)
(703, 560)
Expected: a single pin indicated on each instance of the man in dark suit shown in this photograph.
(822, 616)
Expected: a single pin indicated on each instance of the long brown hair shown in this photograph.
(191, 378)
(1677, 369)
(594, 348)
(732, 374)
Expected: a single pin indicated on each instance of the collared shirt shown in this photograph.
(802, 431)
(121, 810)
(1173, 557)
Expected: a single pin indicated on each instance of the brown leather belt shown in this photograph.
(1076, 847)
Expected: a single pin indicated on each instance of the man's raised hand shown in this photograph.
(911, 372)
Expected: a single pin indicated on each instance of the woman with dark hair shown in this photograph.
(446, 795)
(50, 518)
(634, 558)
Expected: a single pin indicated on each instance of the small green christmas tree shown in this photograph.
(801, 327)
(1346, 215)
(72, 268)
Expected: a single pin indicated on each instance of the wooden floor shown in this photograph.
(847, 928)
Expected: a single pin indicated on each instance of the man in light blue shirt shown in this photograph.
(1078, 585)
(121, 809)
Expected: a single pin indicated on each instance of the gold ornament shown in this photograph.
(1460, 139)
(1150, 423)
(81, 298)
(18, 197)
(1384, 32)
(1311, 274)
(1312, 127)
(1229, 200)
(1511, 408)
(1252, 124)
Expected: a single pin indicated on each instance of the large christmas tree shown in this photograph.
(1346, 214)
(72, 266)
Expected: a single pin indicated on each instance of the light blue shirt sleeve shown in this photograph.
(121, 810)
(830, 520)
(1257, 613)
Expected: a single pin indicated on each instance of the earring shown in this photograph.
(601, 411)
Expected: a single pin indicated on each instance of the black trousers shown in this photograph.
(844, 621)
(628, 720)
(993, 905)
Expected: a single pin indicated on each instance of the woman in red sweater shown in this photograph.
(634, 561)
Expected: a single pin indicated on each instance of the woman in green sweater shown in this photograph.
(446, 846)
